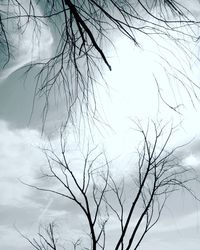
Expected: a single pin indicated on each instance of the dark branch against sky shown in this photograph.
(57, 64)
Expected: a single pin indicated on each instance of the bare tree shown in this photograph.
(82, 31)
(47, 240)
(134, 204)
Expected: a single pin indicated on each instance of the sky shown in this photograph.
(130, 94)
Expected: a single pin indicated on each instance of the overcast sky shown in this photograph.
(131, 94)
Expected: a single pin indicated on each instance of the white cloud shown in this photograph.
(133, 95)
(20, 158)
(192, 160)
(189, 221)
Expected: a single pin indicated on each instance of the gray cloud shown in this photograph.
(22, 216)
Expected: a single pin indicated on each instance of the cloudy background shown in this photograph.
(131, 94)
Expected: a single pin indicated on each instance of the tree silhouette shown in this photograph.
(136, 204)
(82, 31)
